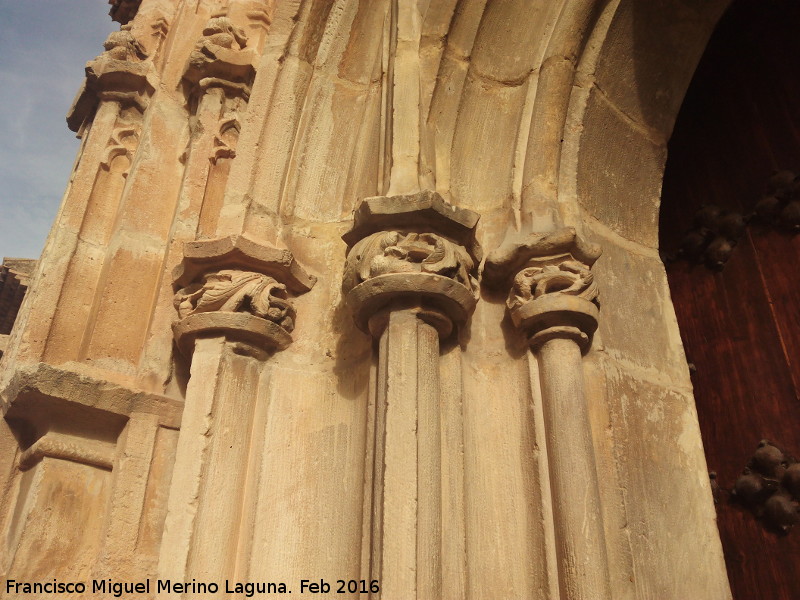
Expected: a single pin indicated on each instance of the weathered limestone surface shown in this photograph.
(262, 343)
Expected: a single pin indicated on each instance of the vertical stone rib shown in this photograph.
(205, 507)
(214, 544)
(379, 459)
(543, 473)
(129, 484)
(405, 104)
(540, 202)
(190, 455)
(195, 193)
(248, 516)
(408, 460)
(83, 272)
(454, 567)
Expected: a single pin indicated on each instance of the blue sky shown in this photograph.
(44, 45)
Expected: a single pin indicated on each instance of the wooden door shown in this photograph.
(740, 324)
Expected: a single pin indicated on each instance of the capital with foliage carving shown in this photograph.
(222, 59)
(122, 73)
(552, 291)
(416, 251)
(240, 288)
(231, 290)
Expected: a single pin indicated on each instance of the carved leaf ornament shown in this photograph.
(238, 291)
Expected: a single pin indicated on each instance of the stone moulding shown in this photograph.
(505, 262)
(41, 394)
(424, 211)
(237, 287)
(447, 301)
(242, 252)
(66, 447)
(241, 327)
(558, 316)
(415, 250)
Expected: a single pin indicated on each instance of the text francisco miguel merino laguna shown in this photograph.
(118, 588)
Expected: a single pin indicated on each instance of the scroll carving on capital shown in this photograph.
(219, 31)
(551, 289)
(122, 73)
(122, 45)
(238, 291)
(569, 277)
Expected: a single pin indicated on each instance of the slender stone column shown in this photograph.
(217, 82)
(409, 279)
(235, 313)
(553, 300)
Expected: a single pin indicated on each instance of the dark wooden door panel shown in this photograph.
(741, 325)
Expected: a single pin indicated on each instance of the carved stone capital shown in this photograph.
(237, 287)
(415, 251)
(552, 292)
(122, 73)
(221, 58)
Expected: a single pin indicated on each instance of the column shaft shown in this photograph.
(407, 496)
(207, 494)
(410, 280)
(580, 540)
